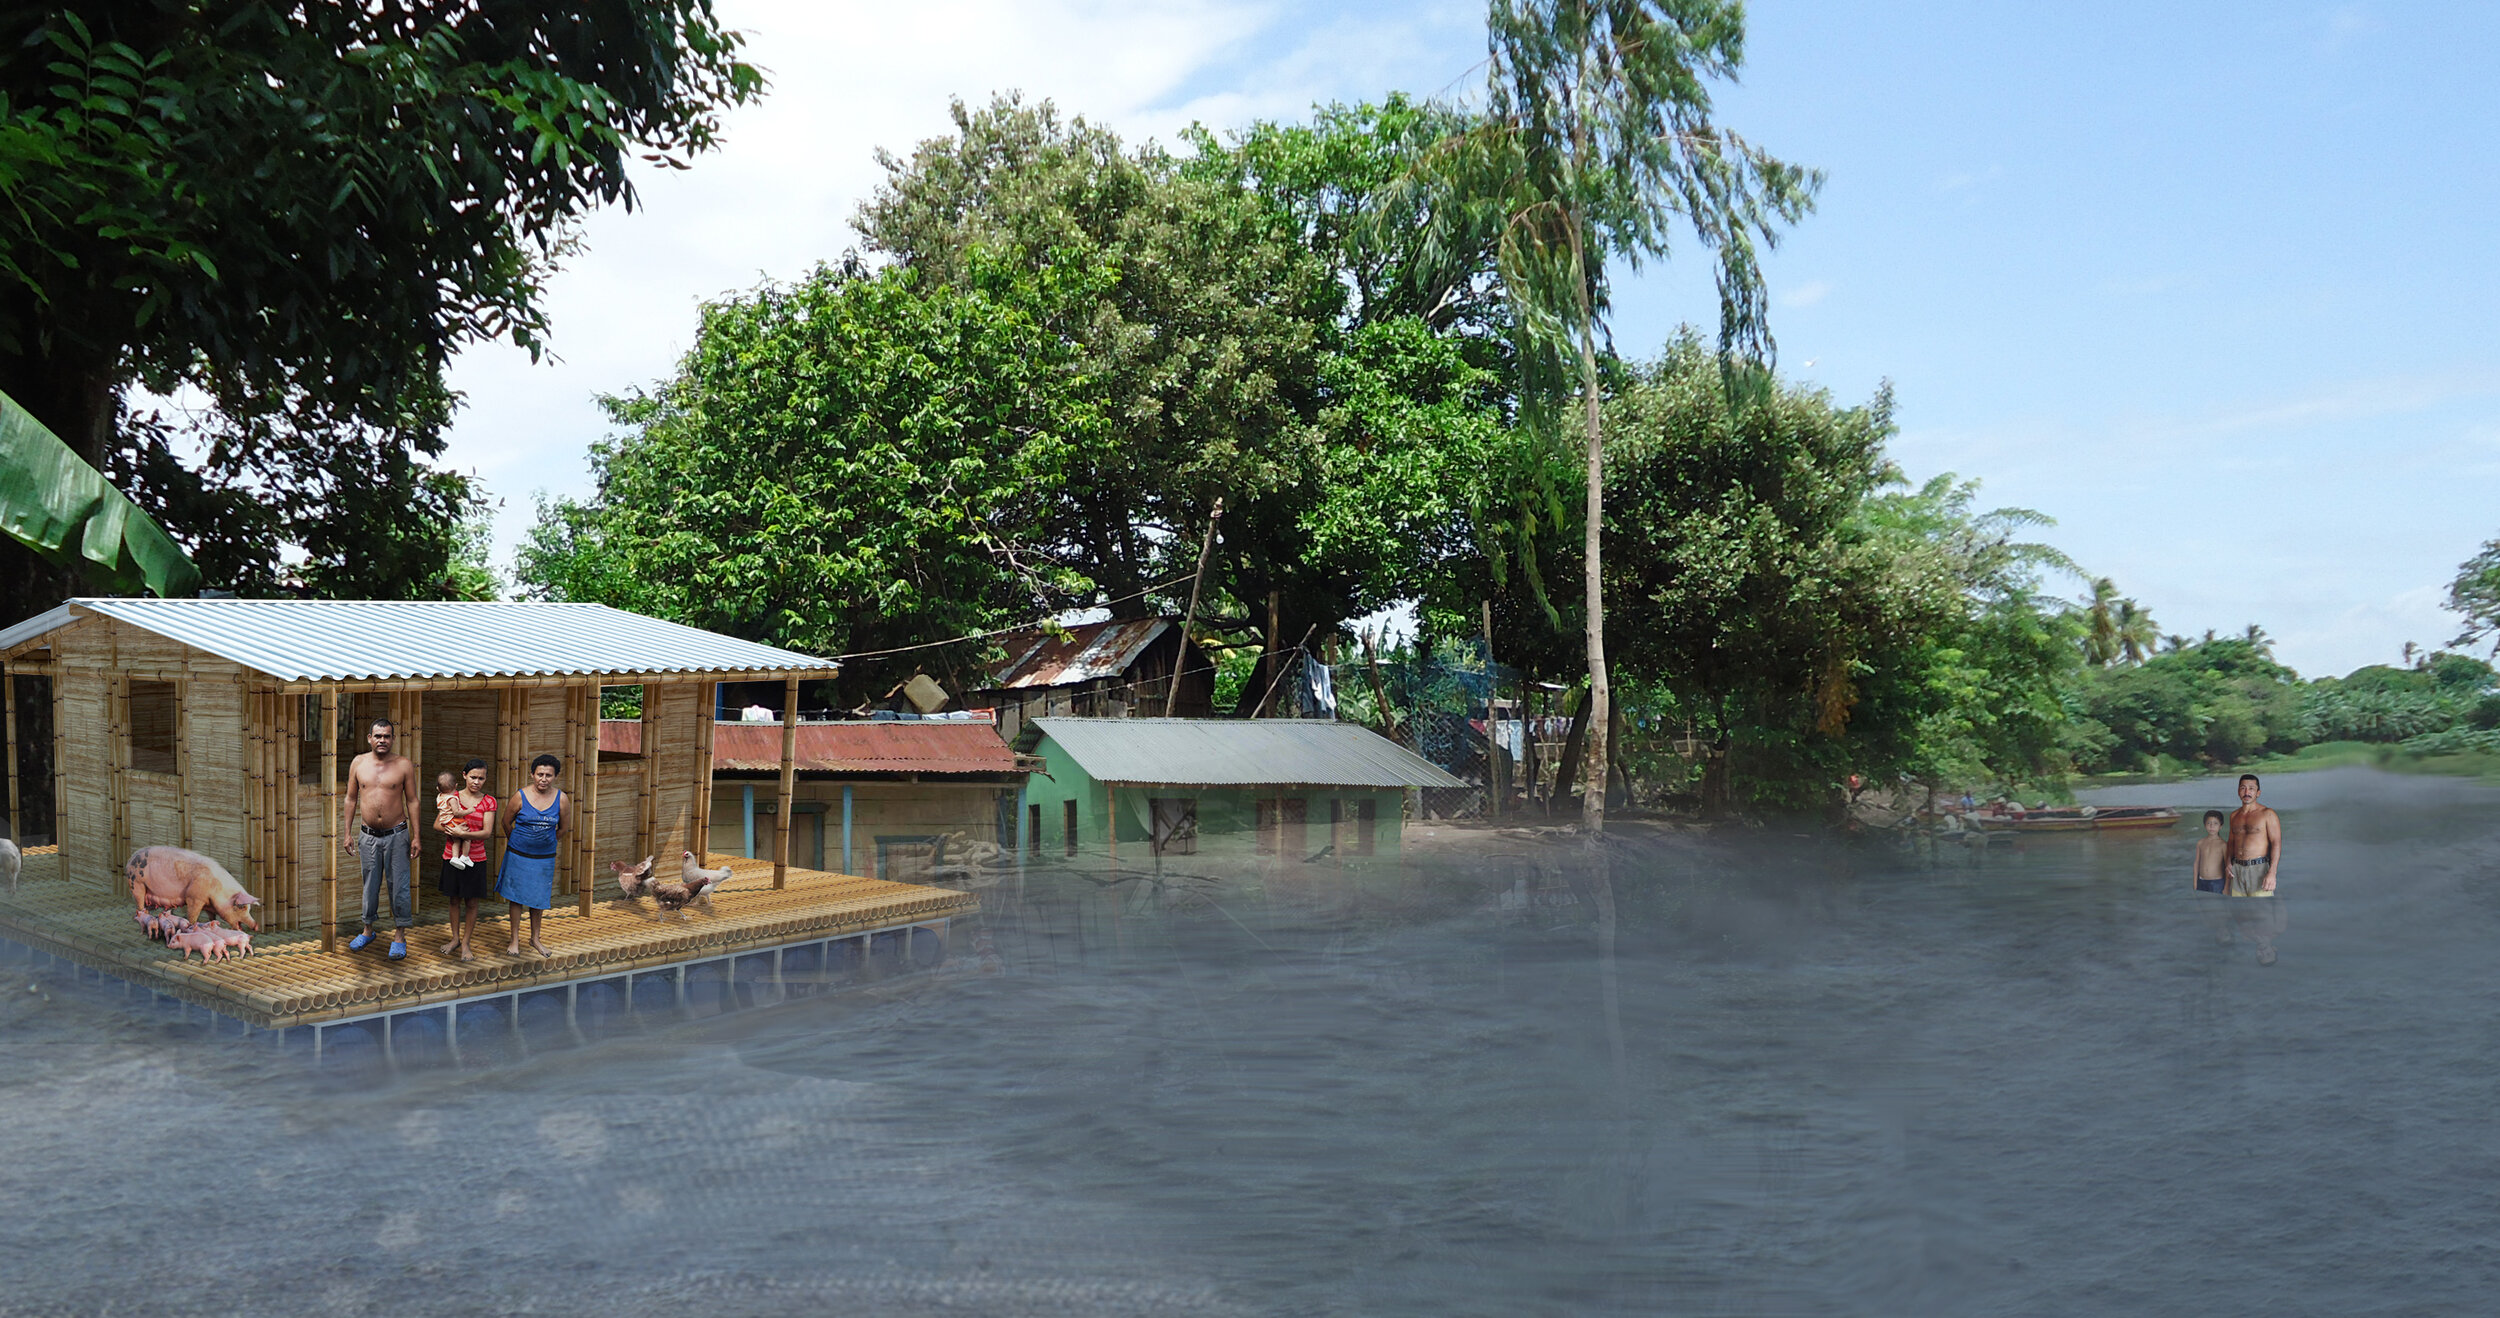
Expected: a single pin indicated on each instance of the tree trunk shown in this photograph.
(1574, 742)
(1618, 778)
(1600, 703)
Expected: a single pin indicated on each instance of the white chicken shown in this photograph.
(700, 882)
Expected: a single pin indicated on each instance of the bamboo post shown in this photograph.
(117, 724)
(568, 851)
(707, 698)
(330, 820)
(789, 780)
(60, 747)
(587, 812)
(182, 753)
(291, 806)
(410, 711)
(647, 809)
(505, 783)
(1111, 820)
(8, 710)
(256, 794)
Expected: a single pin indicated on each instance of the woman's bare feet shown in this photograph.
(514, 950)
(540, 948)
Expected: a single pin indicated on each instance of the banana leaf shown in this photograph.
(52, 502)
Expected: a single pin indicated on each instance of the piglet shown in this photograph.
(196, 939)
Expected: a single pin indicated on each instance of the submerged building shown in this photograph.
(1291, 788)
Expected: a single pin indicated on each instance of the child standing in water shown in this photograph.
(2213, 856)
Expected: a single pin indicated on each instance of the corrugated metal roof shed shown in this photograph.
(1090, 650)
(900, 746)
(381, 640)
(1239, 752)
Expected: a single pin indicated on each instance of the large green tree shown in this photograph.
(1256, 343)
(1597, 145)
(299, 212)
(853, 462)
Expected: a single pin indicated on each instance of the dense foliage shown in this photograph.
(297, 213)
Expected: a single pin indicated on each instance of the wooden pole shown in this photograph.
(707, 698)
(648, 826)
(1380, 692)
(1111, 820)
(586, 814)
(330, 821)
(1275, 661)
(8, 709)
(1180, 655)
(1493, 775)
(789, 780)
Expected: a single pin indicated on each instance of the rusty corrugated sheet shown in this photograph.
(1091, 650)
(902, 746)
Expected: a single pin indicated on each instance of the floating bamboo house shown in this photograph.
(227, 726)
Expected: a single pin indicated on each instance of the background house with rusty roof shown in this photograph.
(1112, 669)
(873, 798)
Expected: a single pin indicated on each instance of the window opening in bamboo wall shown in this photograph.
(152, 726)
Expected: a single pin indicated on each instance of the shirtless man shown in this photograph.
(2256, 843)
(381, 793)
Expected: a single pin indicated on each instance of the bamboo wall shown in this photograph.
(111, 808)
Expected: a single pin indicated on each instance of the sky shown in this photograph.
(2210, 285)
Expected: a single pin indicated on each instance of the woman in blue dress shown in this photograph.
(533, 820)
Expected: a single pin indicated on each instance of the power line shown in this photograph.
(999, 631)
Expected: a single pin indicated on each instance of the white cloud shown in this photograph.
(1806, 294)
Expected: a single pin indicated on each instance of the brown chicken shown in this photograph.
(633, 880)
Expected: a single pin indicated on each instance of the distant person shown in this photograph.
(2256, 843)
(534, 823)
(2213, 856)
(381, 791)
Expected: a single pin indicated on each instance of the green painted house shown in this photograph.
(1147, 787)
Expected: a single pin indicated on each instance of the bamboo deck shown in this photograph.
(289, 981)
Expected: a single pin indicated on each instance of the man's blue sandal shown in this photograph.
(399, 950)
(360, 941)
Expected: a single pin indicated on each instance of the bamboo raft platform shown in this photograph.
(289, 982)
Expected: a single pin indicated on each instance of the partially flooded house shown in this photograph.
(1294, 789)
(887, 798)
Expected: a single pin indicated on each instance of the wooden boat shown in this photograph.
(2076, 819)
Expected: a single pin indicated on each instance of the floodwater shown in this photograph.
(1807, 1079)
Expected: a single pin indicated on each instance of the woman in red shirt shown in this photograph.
(466, 819)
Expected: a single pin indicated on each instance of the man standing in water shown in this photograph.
(2256, 852)
(381, 790)
(2256, 843)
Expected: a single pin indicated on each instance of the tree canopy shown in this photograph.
(300, 212)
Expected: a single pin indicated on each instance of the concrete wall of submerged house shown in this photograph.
(1294, 822)
(896, 829)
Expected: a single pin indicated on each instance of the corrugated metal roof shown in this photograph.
(1239, 752)
(1090, 650)
(379, 640)
(899, 746)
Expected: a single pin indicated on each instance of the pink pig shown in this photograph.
(196, 939)
(172, 877)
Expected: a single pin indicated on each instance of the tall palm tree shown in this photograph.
(2258, 640)
(2136, 632)
(1597, 142)
(2100, 618)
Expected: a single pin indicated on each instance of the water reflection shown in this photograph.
(1756, 1075)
